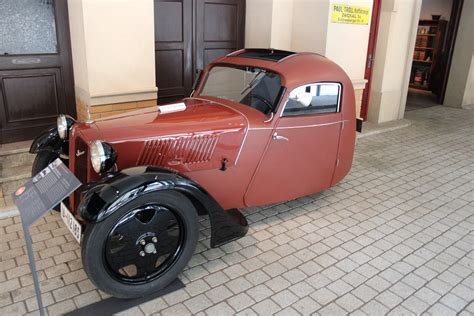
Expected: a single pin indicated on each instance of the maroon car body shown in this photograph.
(260, 170)
(262, 126)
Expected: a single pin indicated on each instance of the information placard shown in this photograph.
(349, 14)
(35, 198)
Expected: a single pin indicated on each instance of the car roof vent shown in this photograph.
(266, 54)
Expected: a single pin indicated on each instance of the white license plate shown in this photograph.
(71, 223)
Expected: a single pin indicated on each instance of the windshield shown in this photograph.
(255, 87)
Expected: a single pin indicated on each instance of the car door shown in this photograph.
(302, 154)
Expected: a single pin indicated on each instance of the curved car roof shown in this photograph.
(295, 69)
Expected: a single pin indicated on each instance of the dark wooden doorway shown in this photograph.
(188, 35)
(36, 79)
(374, 26)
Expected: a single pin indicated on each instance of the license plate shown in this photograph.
(71, 223)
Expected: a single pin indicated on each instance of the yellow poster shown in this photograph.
(349, 14)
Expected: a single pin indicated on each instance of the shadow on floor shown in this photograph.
(419, 99)
(112, 305)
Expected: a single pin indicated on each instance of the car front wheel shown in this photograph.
(141, 247)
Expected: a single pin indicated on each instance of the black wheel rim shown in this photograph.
(144, 244)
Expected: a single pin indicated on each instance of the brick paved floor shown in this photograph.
(395, 237)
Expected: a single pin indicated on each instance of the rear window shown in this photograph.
(313, 99)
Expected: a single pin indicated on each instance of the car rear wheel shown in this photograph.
(143, 246)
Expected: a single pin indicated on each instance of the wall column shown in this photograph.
(459, 91)
(113, 56)
(395, 44)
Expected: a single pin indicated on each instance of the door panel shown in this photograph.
(36, 82)
(301, 161)
(190, 34)
(220, 29)
(173, 49)
(41, 101)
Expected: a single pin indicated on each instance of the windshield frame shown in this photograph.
(279, 96)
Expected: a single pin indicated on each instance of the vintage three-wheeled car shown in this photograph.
(261, 126)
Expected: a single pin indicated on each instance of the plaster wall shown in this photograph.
(395, 43)
(459, 91)
(113, 50)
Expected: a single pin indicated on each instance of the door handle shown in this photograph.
(279, 137)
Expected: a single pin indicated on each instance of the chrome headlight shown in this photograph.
(64, 123)
(103, 156)
(62, 126)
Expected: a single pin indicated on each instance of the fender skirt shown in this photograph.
(49, 140)
(103, 198)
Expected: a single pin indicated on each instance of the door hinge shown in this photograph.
(337, 162)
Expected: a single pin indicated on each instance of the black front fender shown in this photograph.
(104, 198)
(49, 140)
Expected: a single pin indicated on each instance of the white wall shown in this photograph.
(282, 26)
(304, 26)
(310, 25)
(459, 90)
(395, 43)
(347, 43)
(113, 45)
(258, 23)
(442, 7)
(78, 47)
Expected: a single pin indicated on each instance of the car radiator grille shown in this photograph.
(188, 150)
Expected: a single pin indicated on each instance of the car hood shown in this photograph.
(201, 136)
(200, 115)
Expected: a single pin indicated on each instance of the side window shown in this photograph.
(313, 98)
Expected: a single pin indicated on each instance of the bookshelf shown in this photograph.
(428, 47)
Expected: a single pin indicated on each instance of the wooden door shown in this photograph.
(188, 35)
(374, 25)
(36, 79)
(220, 29)
(173, 48)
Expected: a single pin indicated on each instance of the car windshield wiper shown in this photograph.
(254, 81)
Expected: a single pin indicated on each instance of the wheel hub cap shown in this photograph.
(150, 248)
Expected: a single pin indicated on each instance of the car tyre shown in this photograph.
(97, 239)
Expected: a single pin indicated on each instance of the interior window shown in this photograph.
(313, 99)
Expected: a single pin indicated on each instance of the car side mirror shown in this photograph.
(304, 98)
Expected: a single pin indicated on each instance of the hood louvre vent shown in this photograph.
(186, 150)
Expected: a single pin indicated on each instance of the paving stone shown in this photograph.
(220, 309)
(259, 292)
(301, 289)
(179, 309)
(332, 309)
(323, 296)
(349, 302)
(440, 309)
(284, 298)
(453, 302)
(198, 303)
(219, 293)
(306, 306)
(415, 304)
(266, 307)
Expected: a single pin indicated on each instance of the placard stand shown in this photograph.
(39, 195)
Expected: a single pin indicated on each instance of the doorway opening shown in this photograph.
(435, 39)
(188, 35)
